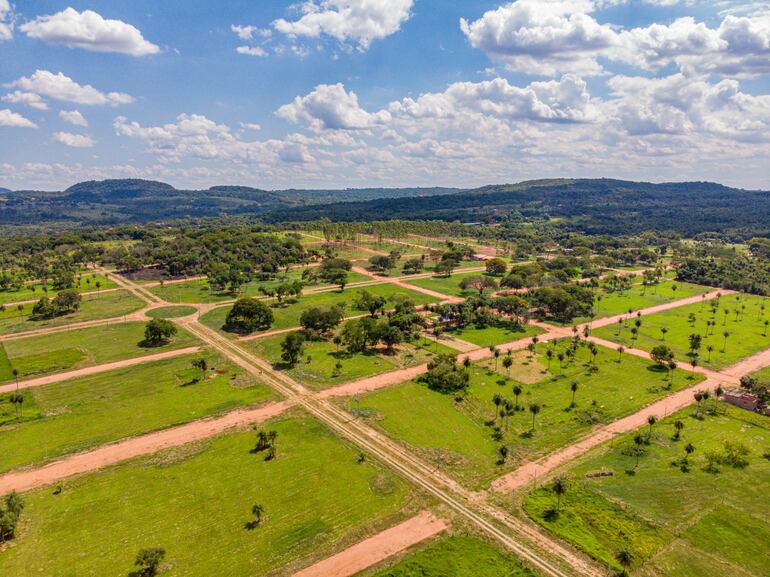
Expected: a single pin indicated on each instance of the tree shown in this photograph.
(625, 558)
(502, 453)
(516, 392)
(445, 376)
(292, 348)
(249, 315)
(621, 350)
(257, 510)
(478, 283)
(159, 331)
(445, 268)
(651, 420)
(413, 266)
(149, 560)
(678, 426)
(321, 320)
(380, 263)
(639, 442)
(573, 387)
(661, 354)
(534, 408)
(559, 486)
(10, 512)
(365, 301)
(496, 266)
(507, 363)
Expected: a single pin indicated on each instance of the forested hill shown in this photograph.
(120, 201)
(592, 205)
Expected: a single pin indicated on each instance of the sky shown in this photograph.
(367, 93)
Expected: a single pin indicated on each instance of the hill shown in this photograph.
(601, 206)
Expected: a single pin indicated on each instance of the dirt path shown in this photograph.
(405, 286)
(452, 342)
(375, 549)
(83, 294)
(106, 455)
(103, 368)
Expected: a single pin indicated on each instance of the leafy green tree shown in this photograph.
(445, 375)
(148, 561)
(249, 315)
(559, 486)
(292, 347)
(625, 558)
(159, 331)
(496, 266)
(534, 408)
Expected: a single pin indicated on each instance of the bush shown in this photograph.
(445, 375)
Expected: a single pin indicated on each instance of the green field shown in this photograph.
(458, 437)
(747, 332)
(197, 291)
(195, 502)
(82, 413)
(288, 315)
(456, 556)
(495, 335)
(677, 524)
(34, 291)
(105, 306)
(450, 285)
(639, 297)
(317, 368)
(47, 354)
(171, 312)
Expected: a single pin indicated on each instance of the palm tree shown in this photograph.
(678, 425)
(573, 387)
(621, 350)
(508, 409)
(502, 451)
(651, 420)
(689, 449)
(15, 372)
(709, 349)
(549, 356)
(663, 331)
(257, 510)
(534, 408)
(559, 487)
(625, 558)
(516, 393)
(639, 442)
(497, 399)
(725, 334)
(496, 352)
(507, 363)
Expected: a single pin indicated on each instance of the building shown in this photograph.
(741, 399)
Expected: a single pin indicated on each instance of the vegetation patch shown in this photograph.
(171, 312)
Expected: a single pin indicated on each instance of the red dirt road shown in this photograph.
(106, 455)
(371, 551)
(49, 379)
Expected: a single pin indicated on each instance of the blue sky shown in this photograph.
(347, 93)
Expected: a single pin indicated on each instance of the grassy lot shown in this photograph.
(763, 375)
(86, 283)
(456, 556)
(458, 435)
(495, 335)
(318, 367)
(288, 315)
(171, 312)
(93, 307)
(450, 285)
(81, 413)
(638, 297)
(197, 291)
(677, 524)
(196, 501)
(747, 332)
(66, 351)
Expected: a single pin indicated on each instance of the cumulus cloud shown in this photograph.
(90, 31)
(6, 21)
(73, 140)
(548, 37)
(26, 98)
(13, 119)
(331, 107)
(73, 117)
(251, 51)
(250, 32)
(63, 88)
(359, 22)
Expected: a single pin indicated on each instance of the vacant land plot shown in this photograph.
(47, 354)
(197, 291)
(463, 435)
(450, 285)
(456, 556)
(679, 520)
(288, 314)
(108, 305)
(81, 413)
(734, 330)
(495, 335)
(85, 283)
(197, 502)
(318, 367)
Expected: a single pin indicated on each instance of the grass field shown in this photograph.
(747, 333)
(197, 291)
(47, 354)
(93, 307)
(171, 312)
(458, 436)
(195, 502)
(288, 315)
(34, 291)
(677, 524)
(81, 413)
(317, 368)
(450, 285)
(455, 556)
(638, 297)
(495, 335)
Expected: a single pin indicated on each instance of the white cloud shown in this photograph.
(74, 140)
(6, 21)
(27, 99)
(13, 119)
(63, 88)
(251, 126)
(542, 36)
(249, 32)
(331, 107)
(251, 51)
(73, 117)
(90, 31)
(356, 21)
